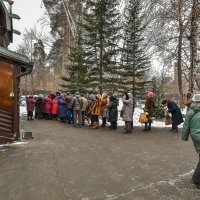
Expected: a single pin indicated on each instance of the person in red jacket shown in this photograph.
(48, 107)
(55, 108)
(30, 107)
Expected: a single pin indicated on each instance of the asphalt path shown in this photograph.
(66, 163)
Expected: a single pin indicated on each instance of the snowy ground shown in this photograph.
(138, 111)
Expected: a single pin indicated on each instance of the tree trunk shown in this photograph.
(180, 87)
(64, 51)
(193, 45)
(101, 66)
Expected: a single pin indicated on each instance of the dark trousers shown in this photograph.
(148, 125)
(83, 117)
(128, 126)
(113, 125)
(196, 175)
(70, 115)
(103, 121)
(30, 115)
(174, 126)
(95, 118)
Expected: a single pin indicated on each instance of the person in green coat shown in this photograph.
(192, 127)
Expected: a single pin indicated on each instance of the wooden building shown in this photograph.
(12, 67)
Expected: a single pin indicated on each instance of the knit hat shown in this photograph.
(196, 98)
(77, 93)
(150, 94)
(91, 97)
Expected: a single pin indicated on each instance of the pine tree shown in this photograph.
(159, 111)
(101, 32)
(135, 63)
(77, 78)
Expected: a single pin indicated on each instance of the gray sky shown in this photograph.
(29, 11)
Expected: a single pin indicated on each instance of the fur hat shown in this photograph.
(196, 98)
(150, 94)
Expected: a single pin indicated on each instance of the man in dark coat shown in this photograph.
(113, 112)
(177, 117)
(39, 107)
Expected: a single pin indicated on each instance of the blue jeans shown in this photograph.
(70, 115)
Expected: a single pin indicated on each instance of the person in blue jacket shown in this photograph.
(177, 117)
(62, 108)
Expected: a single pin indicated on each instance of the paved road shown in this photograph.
(66, 163)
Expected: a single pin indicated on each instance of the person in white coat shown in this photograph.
(127, 111)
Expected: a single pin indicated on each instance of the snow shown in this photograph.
(138, 110)
(23, 110)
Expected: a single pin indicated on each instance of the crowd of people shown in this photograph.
(77, 109)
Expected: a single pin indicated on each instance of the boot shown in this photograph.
(149, 127)
(145, 128)
(94, 125)
(97, 125)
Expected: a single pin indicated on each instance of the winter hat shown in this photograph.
(196, 98)
(77, 93)
(130, 95)
(91, 97)
(98, 96)
(150, 94)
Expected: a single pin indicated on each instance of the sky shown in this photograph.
(30, 12)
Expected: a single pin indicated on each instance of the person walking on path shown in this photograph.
(30, 107)
(104, 102)
(149, 106)
(113, 112)
(192, 127)
(127, 111)
(177, 117)
(77, 106)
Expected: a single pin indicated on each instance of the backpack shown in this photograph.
(143, 117)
